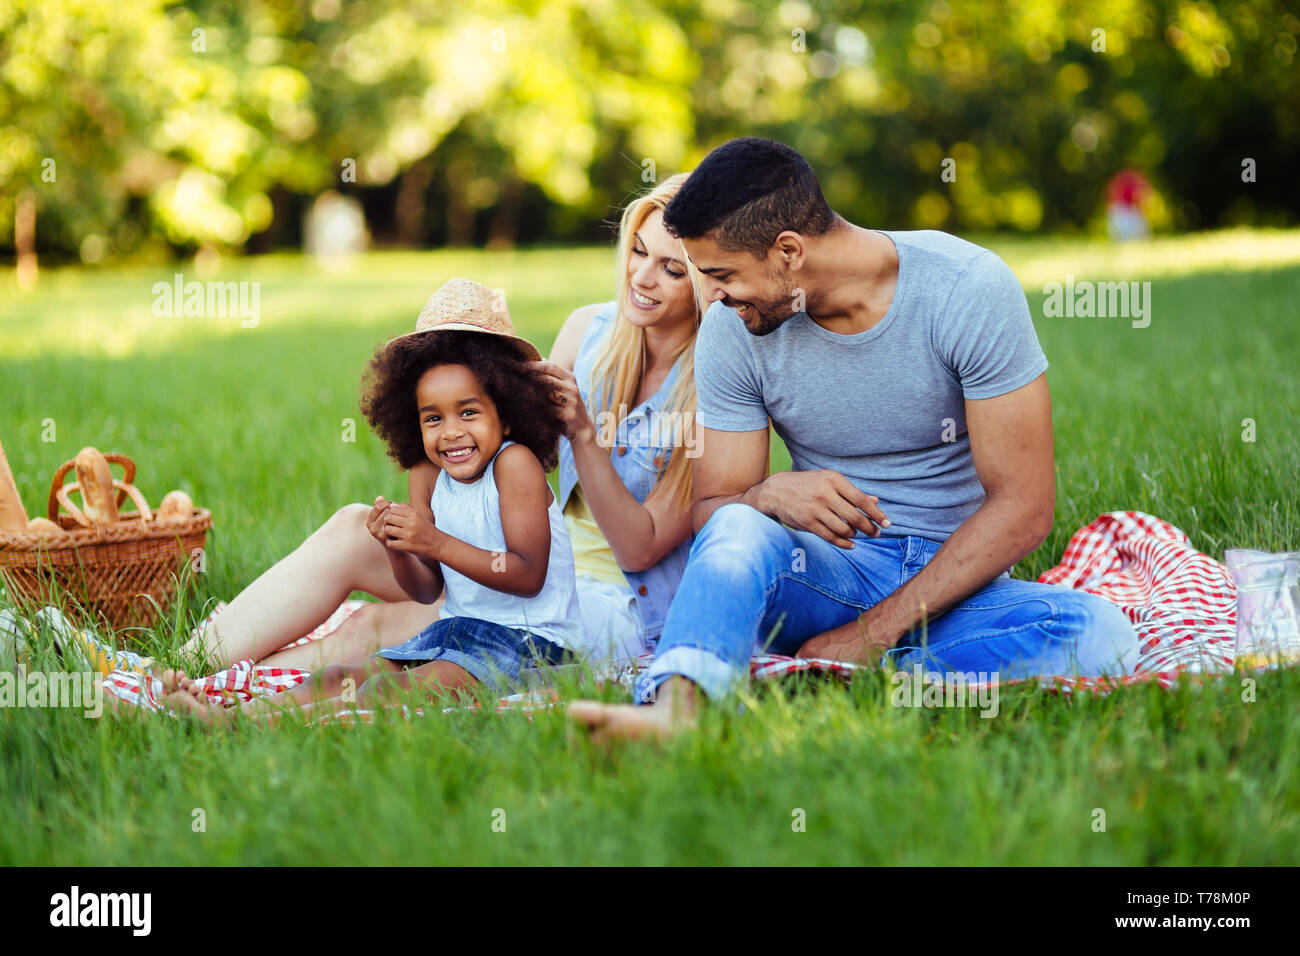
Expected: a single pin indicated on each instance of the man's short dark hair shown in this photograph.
(747, 192)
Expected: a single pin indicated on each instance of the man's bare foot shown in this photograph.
(674, 710)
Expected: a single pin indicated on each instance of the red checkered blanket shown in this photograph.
(1182, 603)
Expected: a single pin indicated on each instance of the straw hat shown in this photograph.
(462, 305)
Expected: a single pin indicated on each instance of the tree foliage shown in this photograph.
(144, 122)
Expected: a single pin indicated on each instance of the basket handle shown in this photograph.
(142, 506)
(56, 484)
(61, 498)
(128, 466)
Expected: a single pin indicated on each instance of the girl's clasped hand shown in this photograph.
(399, 526)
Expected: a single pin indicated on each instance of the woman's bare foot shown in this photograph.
(186, 697)
(674, 710)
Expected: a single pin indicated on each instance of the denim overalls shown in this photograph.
(642, 439)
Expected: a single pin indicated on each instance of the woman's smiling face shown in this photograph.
(659, 292)
(459, 423)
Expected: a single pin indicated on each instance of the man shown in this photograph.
(904, 374)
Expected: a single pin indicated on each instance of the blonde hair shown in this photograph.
(619, 366)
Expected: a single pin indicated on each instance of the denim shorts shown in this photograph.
(492, 653)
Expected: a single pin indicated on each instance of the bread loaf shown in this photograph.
(44, 527)
(98, 496)
(13, 517)
(177, 506)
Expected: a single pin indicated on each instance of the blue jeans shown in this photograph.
(753, 585)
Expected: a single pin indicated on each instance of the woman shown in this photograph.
(626, 366)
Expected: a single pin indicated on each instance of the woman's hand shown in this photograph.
(375, 520)
(577, 423)
(408, 530)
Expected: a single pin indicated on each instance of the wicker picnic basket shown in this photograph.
(115, 572)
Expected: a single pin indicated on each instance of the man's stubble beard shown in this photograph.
(768, 323)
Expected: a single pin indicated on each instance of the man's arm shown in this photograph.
(1014, 456)
(731, 467)
(730, 464)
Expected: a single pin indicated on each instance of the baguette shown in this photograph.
(13, 516)
(98, 496)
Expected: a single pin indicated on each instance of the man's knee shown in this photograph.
(736, 522)
(736, 535)
(1107, 642)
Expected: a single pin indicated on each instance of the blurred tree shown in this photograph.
(79, 90)
(177, 125)
(1013, 113)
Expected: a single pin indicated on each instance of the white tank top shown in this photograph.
(472, 513)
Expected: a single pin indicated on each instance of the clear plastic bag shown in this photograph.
(1268, 606)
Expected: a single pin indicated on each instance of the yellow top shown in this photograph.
(592, 554)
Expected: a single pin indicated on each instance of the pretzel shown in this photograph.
(57, 481)
(96, 484)
(146, 513)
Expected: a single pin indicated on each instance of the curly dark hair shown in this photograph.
(522, 396)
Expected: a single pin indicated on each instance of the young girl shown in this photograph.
(460, 407)
(627, 503)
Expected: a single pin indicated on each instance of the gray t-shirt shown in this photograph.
(884, 407)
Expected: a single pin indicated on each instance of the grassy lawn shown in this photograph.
(252, 422)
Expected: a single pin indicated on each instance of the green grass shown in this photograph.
(250, 422)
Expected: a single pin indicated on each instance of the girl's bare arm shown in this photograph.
(419, 577)
(521, 568)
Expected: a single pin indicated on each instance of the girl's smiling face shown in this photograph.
(458, 421)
